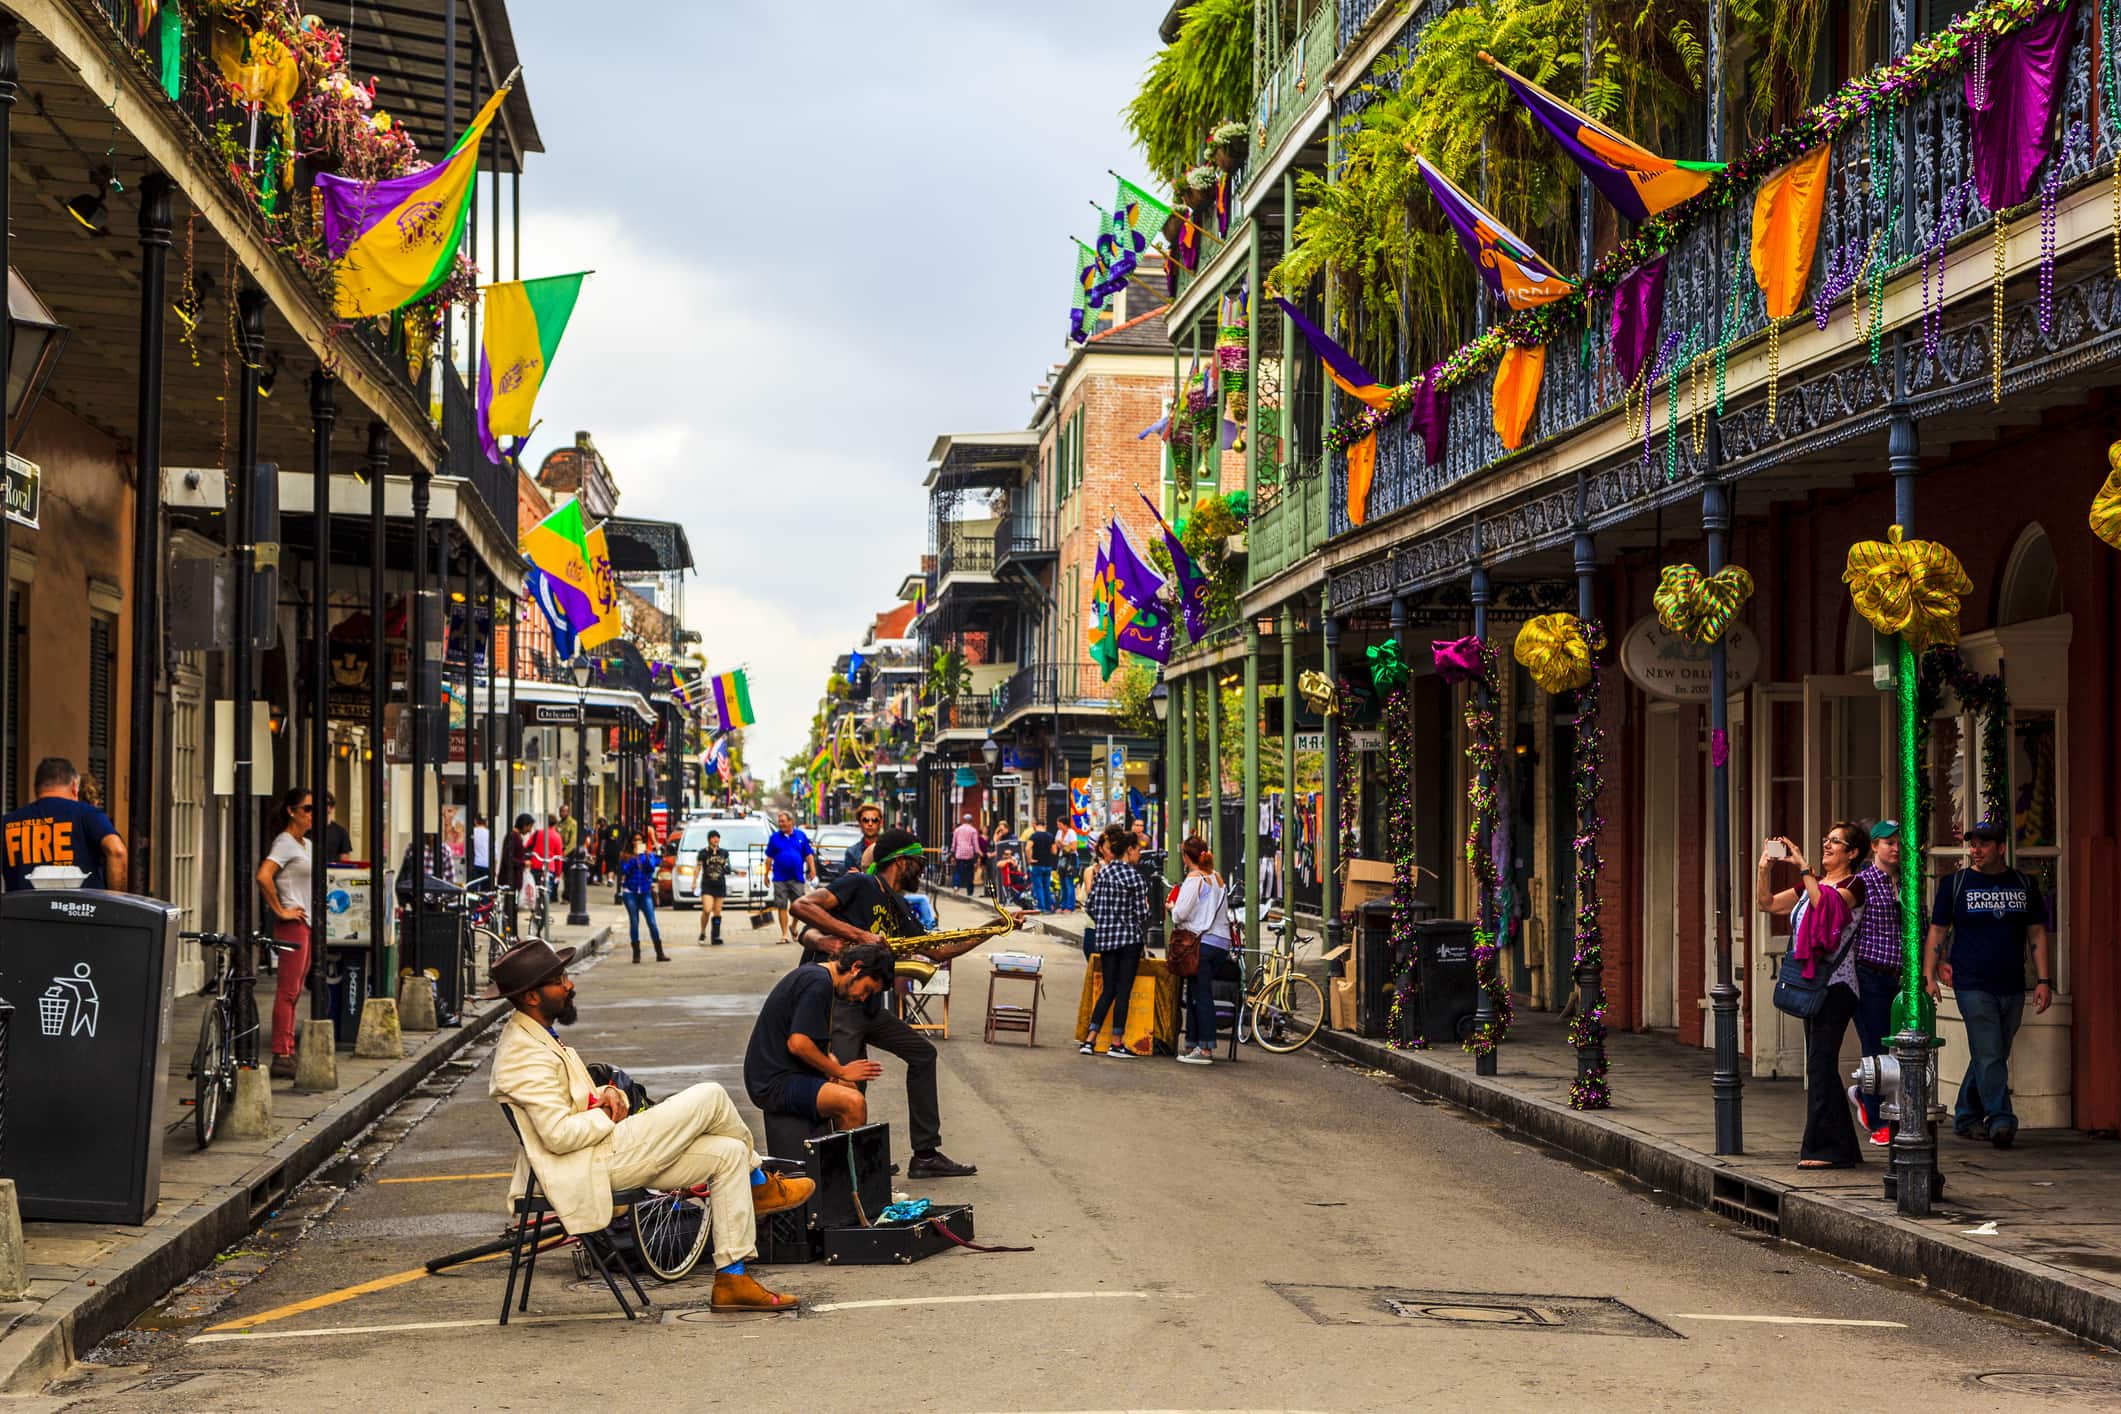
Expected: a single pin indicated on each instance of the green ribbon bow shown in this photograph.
(1386, 671)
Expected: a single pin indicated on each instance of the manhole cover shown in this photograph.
(1506, 1310)
(2040, 1382)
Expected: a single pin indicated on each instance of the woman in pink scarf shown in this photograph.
(1825, 910)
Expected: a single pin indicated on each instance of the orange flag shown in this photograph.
(1786, 230)
(1362, 467)
(1517, 392)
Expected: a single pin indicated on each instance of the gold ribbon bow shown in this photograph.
(2106, 506)
(1701, 606)
(1317, 691)
(1555, 652)
(1909, 587)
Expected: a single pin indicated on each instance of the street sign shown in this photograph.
(556, 712)
(1310, 741)
(1118, 761)
(25, 490)
(1005, 778)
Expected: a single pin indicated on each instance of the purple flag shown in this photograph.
(1430, 415)
(1138, 583)
(2010, 132)
(1192, 584)
(1147, 634)
(1638, 310)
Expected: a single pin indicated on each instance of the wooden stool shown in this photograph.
(1011, 1016)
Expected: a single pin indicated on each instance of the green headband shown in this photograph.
(911, 851)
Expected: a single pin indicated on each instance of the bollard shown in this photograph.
(14, 1263)
(250, 1113)
(317, 1055)
(416, 1002)
(379, 1037)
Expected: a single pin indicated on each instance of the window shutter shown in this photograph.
(102, 655)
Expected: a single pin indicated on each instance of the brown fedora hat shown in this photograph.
(524, 966)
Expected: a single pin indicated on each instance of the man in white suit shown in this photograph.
(581, 1142)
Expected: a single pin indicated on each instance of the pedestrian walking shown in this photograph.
(1203, 909)
(713, 867)
(637, 891)
(554, 851)
(1119, 910)
(794, 862)
(570, 831)
(596, 851)
(515, 862)
(1992, 912)
(1070, 847)
(1823, 925)
(481, 849)
(964, 854)
(283, 881)
(1878, 966)
(1044, 845)
(59, 828)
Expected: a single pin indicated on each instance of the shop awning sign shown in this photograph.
(1675, 669)
(25, 490)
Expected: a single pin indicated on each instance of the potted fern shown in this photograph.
(1228, 144)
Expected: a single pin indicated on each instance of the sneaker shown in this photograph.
(1856, 1108)
(282, 1068)
(2002, 1133)
(1196, 1056)
(1119, 1052)
(1882, 1136)
(1088, 1048)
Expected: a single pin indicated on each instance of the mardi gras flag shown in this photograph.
(732, 700)
(1082, 315)
(920, 599)
(1357, 382)
(1636, 180)
(603, 592)
(1518, 275)
(687, 694)
(1192, 584)
(517, 339)
(558, 549)
(1135, 579)
(538, 588)
(1104, 633)
(1138, 211)
(1187, 248)
(395, 240)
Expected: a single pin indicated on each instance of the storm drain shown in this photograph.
(1487, 1310)
(1755, 1205)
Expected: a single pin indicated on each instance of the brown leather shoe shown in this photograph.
(780, 1193)
(740, 1291)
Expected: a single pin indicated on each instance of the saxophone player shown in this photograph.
(869, 906)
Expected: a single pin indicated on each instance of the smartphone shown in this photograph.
(1776, 849)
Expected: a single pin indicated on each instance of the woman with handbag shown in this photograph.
(1119, 910)
(1201, 925)
(1818, 979)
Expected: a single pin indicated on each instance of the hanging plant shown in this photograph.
(1228, 146)
(1195, 82)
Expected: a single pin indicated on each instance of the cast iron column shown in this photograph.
(1726, 1083)
(323, 415)
(1248, 820)
(243, 826)
(1329, 798)
(10, 31)
(510, 732)
(1911, 1168)
(470, 665)
(578, 859)
(489, 793)
(1590, 978)
(147, 538)
(1484, 1018)
(418, 682)
(382, 956)
(1290, 697)
(1214, 688)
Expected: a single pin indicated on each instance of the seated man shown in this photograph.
(582, 1143)
(787, 1067)
(869, 907)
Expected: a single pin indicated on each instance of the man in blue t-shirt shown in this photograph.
(57, 829)
(794, 865)
(1992, 911)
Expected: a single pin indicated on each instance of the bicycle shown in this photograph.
(232, 1004)
(1285, 1007)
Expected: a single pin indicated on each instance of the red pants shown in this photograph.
(291, 959)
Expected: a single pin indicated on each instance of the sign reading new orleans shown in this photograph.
(1676, 669)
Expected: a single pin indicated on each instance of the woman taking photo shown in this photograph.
(283, 882)
(1203, 908)
(1825, 912)
(637, 891)
(1119, 912)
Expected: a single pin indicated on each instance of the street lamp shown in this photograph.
(578, 859)
(990, 751)
(1160, 701)
(34, 340)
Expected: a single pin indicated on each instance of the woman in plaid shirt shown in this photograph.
(1119, 910)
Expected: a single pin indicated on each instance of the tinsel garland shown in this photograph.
(1481, 754)
(1930, 60)
(1983, 694)
(1344, 777)
(1399, 826)
(1590, 1090)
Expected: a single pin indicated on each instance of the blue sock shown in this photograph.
(734, 1269)
(758, 1178)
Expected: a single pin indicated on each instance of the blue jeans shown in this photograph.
(1875, 990)
(1216, 965)
(636, 906)
(1067, 891)
(961, 875)
(1042, 887)
(1991, 1020)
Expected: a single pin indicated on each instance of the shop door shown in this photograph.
(1660, 875)
(1767, 754)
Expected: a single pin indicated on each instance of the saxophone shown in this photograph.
(913, 947)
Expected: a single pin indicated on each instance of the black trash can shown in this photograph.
(440, 950)
(93, 976)
(1152, 872)
(346, 983)
(1450, 993)
(1374, 968)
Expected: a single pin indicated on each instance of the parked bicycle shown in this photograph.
(228, 1030)
(1282, 1008)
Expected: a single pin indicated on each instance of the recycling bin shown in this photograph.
(94, 974)
(1450, 991)
(440, 950)
(346, 984)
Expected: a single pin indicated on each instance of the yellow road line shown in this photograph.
(348, 1293)
(448, 1177)
(410, 1326)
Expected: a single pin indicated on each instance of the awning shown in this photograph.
(604, 704)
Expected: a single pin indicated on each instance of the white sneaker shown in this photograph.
(1088, 1049)
(1196, 1056)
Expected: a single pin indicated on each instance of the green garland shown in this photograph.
(1482, 753)
(1983, 694)
(1932, 59)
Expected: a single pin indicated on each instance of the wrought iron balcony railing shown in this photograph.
(1294, 81)
(1290, 523)
(1023, 536)
(965, 554)
(1900, 210)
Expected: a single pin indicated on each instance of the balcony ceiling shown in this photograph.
(400, 44)
(647, 546)
(962, 461)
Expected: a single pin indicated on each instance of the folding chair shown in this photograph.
(920, 984)
(531, 1212)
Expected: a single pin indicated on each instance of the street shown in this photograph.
(1206, 1238)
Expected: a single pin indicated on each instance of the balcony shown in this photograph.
(1288, 527)
(1025, 539)
(1830, 391)
(964, 555)
(1043, 687)
(966, 716)
(495, 485)
(1295, 82)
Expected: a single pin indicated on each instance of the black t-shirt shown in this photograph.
(714, 865)
(1042, 846)
(338, 844)
(865, 903)
(800, 1004)
(1990, 916)
(53, 829)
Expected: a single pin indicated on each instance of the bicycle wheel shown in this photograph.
(1255, 987)
(670, 1232)
(208, 1063)
(1288, 1014)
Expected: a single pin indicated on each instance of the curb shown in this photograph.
(41, 1345)
(1892, 1244)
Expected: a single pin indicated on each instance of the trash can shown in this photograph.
(1375, 968)
(1152, 872)
(1450, 993)
(346, 984)
(93, 973)
(439, 950)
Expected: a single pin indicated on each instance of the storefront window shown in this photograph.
(2033, 798)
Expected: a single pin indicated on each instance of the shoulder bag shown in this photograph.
(1801, 996)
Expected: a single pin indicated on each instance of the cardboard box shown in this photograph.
(1363, 880)
(1340, 1004)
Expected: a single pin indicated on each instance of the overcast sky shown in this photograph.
(823, 234)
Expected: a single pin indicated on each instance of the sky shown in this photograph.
(823, 234)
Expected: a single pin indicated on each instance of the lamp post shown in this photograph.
(578, 858)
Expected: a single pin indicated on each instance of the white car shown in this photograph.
(749, 884)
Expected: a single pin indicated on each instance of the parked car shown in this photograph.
(749, 883)
(831, 843)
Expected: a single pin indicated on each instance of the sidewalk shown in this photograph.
(2054, 1198)
(89, 1279)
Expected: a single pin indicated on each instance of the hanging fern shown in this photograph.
(1199, 81)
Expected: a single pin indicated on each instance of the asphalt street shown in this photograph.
(1279, 1233)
